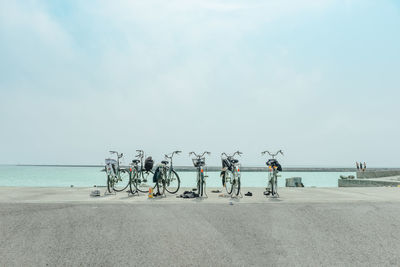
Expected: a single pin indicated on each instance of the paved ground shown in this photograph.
(306, 227)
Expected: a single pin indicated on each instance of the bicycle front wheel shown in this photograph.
(122, 180)
(228, 179)
(173, 183)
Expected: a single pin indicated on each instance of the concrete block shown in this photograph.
(294, 182)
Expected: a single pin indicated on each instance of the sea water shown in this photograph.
(37, 176)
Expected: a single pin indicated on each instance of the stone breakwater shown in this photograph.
(373, 178)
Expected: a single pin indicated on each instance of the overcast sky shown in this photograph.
(318, 79)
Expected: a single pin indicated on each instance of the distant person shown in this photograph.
(365, 166)
(358, 166)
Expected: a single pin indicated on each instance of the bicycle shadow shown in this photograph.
(275, 199)
(199, 199)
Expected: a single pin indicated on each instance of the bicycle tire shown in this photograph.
(273, 189)
(200, 184)
(132, 185)
(228, 182)
(173, 172)
(109, 184)
(142, 175)
(237, 186)
(160, 185)
(125, 178)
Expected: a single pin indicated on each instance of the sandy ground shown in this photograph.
(304, 227)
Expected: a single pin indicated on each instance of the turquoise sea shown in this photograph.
(36, 176)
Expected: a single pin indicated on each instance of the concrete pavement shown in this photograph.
(287, 195)
(305, 227)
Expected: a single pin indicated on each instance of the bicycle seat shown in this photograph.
(164, 162)
(135, 161)
(234, 161)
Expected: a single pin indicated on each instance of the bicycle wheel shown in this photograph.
(237, 186)
(160, 185)
(142, 180)
(132, 185)
(122, 180)
(273, 185)
(276, 186)
(173, 183)
(228, 179)
(110, 184)
(200, 184)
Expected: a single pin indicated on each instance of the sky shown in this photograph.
(318, 79)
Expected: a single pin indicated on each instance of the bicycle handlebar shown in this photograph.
(177, 152)
(140, 153)
(116, 152)
(199, 156)
(273, 155)
(236, 153)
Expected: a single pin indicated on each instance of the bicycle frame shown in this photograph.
(117, 169)
(170, 166)
(116, 174)
(236, 175)
(201, 183)
(273, 174)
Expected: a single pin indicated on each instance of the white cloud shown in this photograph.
(161, 75)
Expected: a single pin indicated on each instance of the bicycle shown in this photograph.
(172, 180)
(231, 173)
(140, 174)
(118, 178)
(274, 168)
(199, 162)
(165, 176)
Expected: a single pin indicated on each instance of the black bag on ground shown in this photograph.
(148, 164)
(189, 194)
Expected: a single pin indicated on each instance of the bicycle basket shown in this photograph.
(148, 164)
(274, 163)
(199, 162)
(111, 162)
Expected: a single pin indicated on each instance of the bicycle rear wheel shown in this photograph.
(110, 184)
(122, 180)
(273, 186)
(236, 189)
(142, 181)
(160, 186)
(173, 183)
(228, 179)
(200, 184)
(132, 185)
